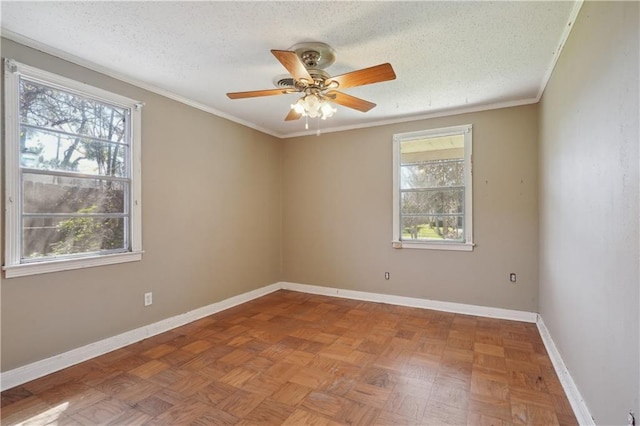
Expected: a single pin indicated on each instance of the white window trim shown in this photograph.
(12, 266)
(468, 244)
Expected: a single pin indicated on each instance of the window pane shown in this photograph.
(44, 106)
(432, 201)
(433, 188)
(422, 228)
(73, 167)
(432, 174)
(56, 151)
(416, 176)
(50, 237)
(59, 194)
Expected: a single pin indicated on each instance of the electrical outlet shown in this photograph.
(512, 277)
(386, 275)
(148, 299)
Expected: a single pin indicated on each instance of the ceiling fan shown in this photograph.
(306, 62)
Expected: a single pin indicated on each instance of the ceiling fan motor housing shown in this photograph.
(287, 82)
(315, 55)
(310, 58)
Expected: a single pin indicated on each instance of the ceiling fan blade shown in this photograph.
(293, 115)
(375, 74)
(349, 101)
(256, 93)
(293, 64)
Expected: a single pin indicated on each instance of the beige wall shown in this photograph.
(337, 193)
(213, 229)
(211, 194)
(589, 280)
(212, 211)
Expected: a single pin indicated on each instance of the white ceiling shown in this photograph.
(448, 56)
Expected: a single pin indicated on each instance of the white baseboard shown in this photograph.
(55, 363)
(58, 362)
(50, 365)
(570, 389)
(457, 308)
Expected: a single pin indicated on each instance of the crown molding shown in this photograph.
(395, 120)
(45, 48)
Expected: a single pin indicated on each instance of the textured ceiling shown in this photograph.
(448, 56)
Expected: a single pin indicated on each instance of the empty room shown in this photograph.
(328, 213)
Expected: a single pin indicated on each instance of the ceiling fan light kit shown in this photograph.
(305, 62)
(313, 106)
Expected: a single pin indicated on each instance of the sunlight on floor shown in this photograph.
(49, 417)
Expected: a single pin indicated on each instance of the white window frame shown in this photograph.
(13, 267)
(467, 245)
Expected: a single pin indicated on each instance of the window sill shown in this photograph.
(25, 269)
(433, 246)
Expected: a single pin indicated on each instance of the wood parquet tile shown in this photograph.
(299, 359)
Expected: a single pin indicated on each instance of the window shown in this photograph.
(72, 174)
(432, 197)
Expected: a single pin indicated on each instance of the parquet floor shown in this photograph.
(297, 359)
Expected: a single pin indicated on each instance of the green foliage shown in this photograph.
(88, 234)
(428, 231)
